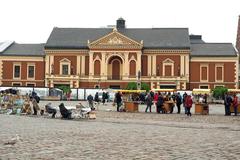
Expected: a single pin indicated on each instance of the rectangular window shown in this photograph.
(219, 76)
(168, 70)
(204, 72)
(65, 69)
(31, 71)
(30, 84)
(16, 84)
(17, 69)
(203, 87)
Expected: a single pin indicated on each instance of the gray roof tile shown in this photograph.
(213, 50)
(24, 50)
(77, 38)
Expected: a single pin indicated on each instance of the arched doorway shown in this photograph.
(115, 68)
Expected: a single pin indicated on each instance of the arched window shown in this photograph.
(132, 68)
(97, 68)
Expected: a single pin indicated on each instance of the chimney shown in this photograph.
(238, 35)
(120, 23)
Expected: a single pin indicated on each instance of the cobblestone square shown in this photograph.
(115, 135)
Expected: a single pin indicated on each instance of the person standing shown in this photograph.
(90, 101)
(189, 103)
(96, 97)
(159, 104)
(235, 104)
(118, 98)
(35, 106)
(103, 97)
(149, 100)
(178, 102)
(184, 102)
(227, 104)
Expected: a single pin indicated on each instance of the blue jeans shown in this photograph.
(227, 110)
(235, 110)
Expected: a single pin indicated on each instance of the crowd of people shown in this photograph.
(228, 101)
(158, 99)
(29, 102)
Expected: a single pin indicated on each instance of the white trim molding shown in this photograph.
(201, 66)
(219, 66)
(34, 71)
(168, 62)
(67, 62)
(13, 75)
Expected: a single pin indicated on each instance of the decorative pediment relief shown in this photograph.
(65, 60)
(115, 40)
(168, 60)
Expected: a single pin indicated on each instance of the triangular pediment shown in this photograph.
(168, 60)
(115, 40)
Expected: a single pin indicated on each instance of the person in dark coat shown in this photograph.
(64, 111)
(159, 103)
(184, 103)
(118, 99)
(227, 104)
(96, 97)
(149, 100)
(104, 98)
(178, 102)
(90, 101)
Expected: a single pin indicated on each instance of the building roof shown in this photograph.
(77, 38)
(5, 45)
(213, 50)
(196, 39)
(16, 49)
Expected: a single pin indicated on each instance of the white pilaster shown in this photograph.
(187, 66)
(47, 65)
(149, 61)
(78, 65)
(103, 65)
(83, 65)
(51, 62)
(91, 64)
(182, 65)
(154, 65)
(138, 67)
(126, 65)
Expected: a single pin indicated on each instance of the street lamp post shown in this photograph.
(138, 80)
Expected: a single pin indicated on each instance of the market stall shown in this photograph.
(169, 103)
(237, 93)
(201, 102)
(131, 99)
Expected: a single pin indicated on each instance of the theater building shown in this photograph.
(113, 57)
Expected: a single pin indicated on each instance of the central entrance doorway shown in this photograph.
(115, 69)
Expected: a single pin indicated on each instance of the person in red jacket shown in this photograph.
(189, 103)
(235, 104)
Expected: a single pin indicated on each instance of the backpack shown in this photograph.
(37, 99)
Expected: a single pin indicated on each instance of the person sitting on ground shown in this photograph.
(50, 110)
(64, 111)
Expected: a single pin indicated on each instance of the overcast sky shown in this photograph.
(31, 21)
